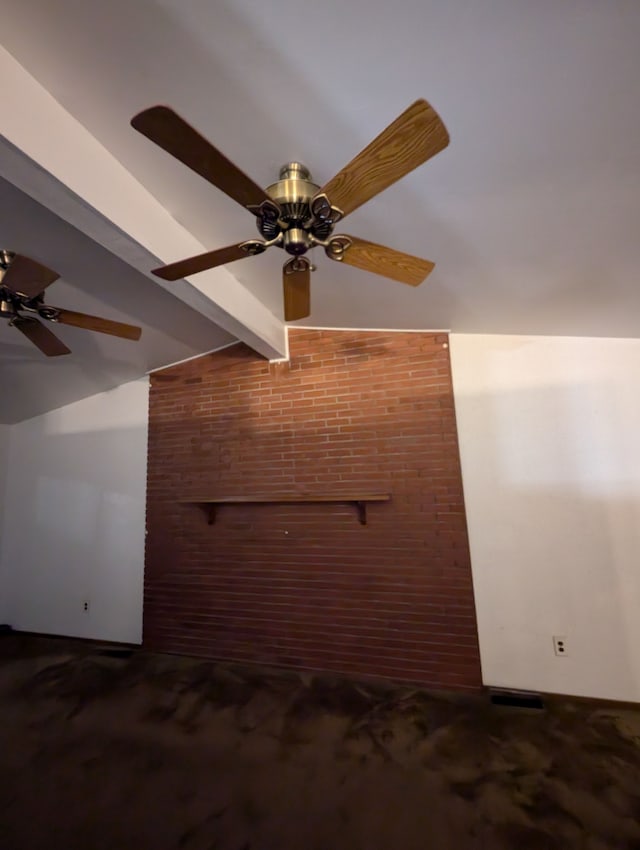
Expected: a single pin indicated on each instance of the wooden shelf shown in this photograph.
(360, 501)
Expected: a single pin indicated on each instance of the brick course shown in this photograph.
(305, 585)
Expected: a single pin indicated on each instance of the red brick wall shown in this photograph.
(305, 585)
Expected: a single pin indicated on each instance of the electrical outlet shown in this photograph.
(560, 645)
(85, 606)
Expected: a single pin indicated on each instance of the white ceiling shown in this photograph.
(531, 215)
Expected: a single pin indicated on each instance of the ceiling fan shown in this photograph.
(22, 285)
(296, 214)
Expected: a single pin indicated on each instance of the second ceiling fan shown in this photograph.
(22, 290)
(296, 214)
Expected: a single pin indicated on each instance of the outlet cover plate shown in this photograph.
(560, 646)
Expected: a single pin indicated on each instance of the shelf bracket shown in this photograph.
(362, 512)
(209, 511)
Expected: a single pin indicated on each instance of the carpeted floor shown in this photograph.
(100, 752)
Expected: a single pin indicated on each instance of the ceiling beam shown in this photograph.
(49, 155)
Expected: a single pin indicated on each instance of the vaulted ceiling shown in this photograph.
(531, 214)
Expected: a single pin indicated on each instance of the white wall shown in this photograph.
(5, 433)
(549, 434)
(74, 518)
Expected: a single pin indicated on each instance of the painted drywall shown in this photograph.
(548, 432)
(74, 519)
(5, 433)
(4, 461)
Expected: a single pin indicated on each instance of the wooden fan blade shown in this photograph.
(168, 130)
(40, 336)
(296, 285)
(201, 262)
(28, 278)
(410, 140)
(95, 323)
(384, 261)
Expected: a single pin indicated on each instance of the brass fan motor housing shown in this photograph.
(7, 307)
(293, 193)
